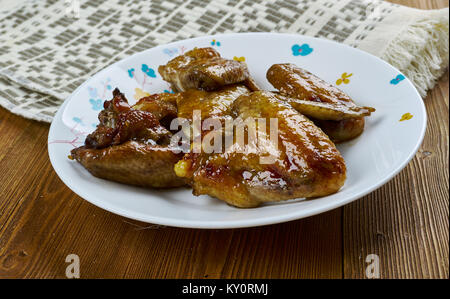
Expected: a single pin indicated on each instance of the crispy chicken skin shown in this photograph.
(119, 123)
(160, 104)
(211, 104)
(300, 84)
(325, 111)
(134, 163)
(204, 69)
(131, 146)
(306, 163)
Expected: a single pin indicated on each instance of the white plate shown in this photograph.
(385, 148)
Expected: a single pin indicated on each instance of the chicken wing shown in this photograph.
(306, 163)
(215, 104)
(300, 84)
(131, 146)
(326, 111)
(133, 163)
(204, 69)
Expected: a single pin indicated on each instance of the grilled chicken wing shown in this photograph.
(133, 163)
(326, 111)
(204, 69)
(300, 84)
(131, 146)
(305, 162)
(215, 104)
(160, 105)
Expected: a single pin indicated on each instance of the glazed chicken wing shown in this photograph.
(215, 104)
(132, 163)
(204, 69)
(305, 163)
(325, 111)
(131, 146)
(300, 85)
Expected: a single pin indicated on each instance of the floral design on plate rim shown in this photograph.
(398, 79)
(303, 50)
(96, 101)
(215, 43)
(406, 116)
(344, 79)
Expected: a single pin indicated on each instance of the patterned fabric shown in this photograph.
(48, 48)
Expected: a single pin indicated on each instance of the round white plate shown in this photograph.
(392, 137)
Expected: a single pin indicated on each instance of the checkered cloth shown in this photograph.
(48, 48)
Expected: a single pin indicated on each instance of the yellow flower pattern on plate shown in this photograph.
(406, 116)
(242, 58)
(139, 94)
(344, 79)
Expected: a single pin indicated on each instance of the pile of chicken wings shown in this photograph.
(132, 144)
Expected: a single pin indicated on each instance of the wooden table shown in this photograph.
(405, 222)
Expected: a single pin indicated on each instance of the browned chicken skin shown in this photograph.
(211, 104)
(325, 111)
(300, 84)
(131, 146)
(134, 163)
(306, 164)
(204, 69)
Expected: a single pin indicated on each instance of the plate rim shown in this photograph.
(230, 224)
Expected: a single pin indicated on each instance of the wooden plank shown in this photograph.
(422, 4)
(42, 221)
(406, 221)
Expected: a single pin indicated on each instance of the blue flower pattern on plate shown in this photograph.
(96, 104)
(77, 120)
(397, 79)
(92, 92)
(148, 71)
(131, 72)
(302, 50)
(171, 52)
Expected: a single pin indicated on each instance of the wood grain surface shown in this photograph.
(405, 222)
